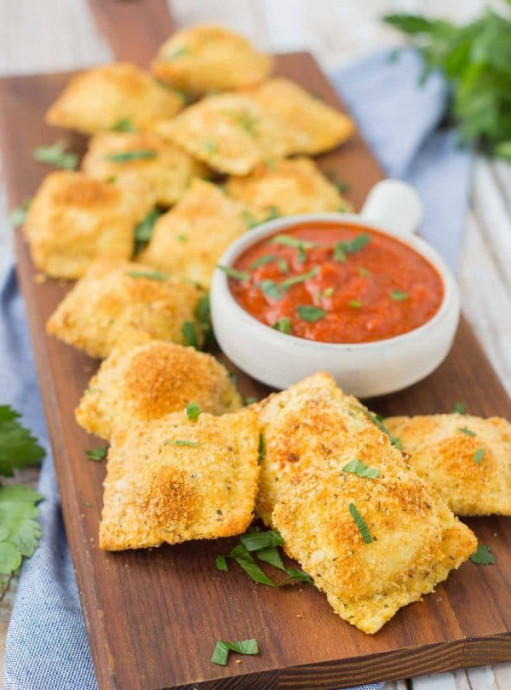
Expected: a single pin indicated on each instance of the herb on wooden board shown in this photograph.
(56, 155)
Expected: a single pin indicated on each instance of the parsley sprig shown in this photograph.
(222, 649)
(56, 155)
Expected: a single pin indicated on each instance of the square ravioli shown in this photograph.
(188, 241)
(112, 96)
(73, 219)
(372, 544)
(144, 379)
(209, 57)
(466, 458)
(319, 127)
(165, 168)
(288, 187)
(174, 480)
(230, 133)
(116, 297)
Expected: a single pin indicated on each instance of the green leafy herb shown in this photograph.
(459, 408)
(18, 448)
(250, 400)
(483, 556)
(221, 563)
(478, 455)
(189, 332)
(283, 325)
(271, 555)
(19, 215)
(176, 53)
(250, 219)
(97, 454)
(144, 230)
(255, 541)
(262, 447)
(283, 266)
(273, 214)
(359, 468)
(299, 279)
(203, 310)
(20, 531)
(399, 295)
(355, 304)
(234, 273)
(149, 275)
(182, 237)
(295, 242)
(222, 649)
(271, 289)
(359, 520)
(124, 156)
(179, 442)
(124, 124)
(328, 292)
(262, 261)
(465, 430)
(363, 272)
(476, 59)
(193, 411)
(56, 155)
(339, 253)
(246, 561)
(309, 312)
(248, 122)
(378, 420)
(341, 249)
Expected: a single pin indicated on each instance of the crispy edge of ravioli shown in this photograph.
(320, 127)
(210, 57)
(100, 98)
(416, 540)
(174, 480)
(288, 186)
(471, 482)
(116, 297)
(188, 241)
(73, 218)
(231, 133)
(151, 380)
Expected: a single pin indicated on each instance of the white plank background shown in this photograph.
(55, 35)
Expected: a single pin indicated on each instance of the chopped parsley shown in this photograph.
(341, 249)
(299, 279)
(360, 522)
(262, 261)
(56, 155)
(262, 447)
(179, 442)
(355, 304)
(399, 295)
(300, 245)
(189, 332)
(97, 454)
(182, 237)
(150, 275)
(193, 411)
(255, 541)
(465, 430)
(271, 289)
(359, 468)
(283, 325)
(176, 53)
(250, 400)
(123, 124)
(328, 292)
(19, 215)
(363, 272)
(308, 312)
(250, 219)
(125, 156)
(483, 556)
(248, 122)
(459, 408)
(222, 649)
(233, 272)
(18, 448)
(378, 420)
(144, 230)
(478, 455)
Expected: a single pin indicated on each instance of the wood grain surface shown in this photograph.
(153, 617)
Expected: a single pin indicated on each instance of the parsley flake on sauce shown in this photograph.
(272, 289)
(299, 279)
(283, 325)
(399, 295)
(262, 261)
(308, 312)
(234, 273)
(341, 249)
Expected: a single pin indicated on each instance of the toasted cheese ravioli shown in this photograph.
(405, 543)
(116, 297)
(467, 459)
(231, 133)
(112, 96)
(165, 168)
(320, 127)
(73, 219)
(151, 380)
(172, 480)
(188, 241)
(209, 57)
(288, 187)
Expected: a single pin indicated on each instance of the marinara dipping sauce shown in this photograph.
(336, 283)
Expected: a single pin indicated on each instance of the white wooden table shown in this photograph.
(54, 35)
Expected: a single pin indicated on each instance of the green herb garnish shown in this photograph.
(97, 454)
(355, 304)
(483, 556)
(378, 420)
(262, 447)
(341, 249)
(56, 155)
(399, 295)
(273, 214)
(359, 468)
(250, 219)
(300, 245)
(124, 124)
(283, 325)
(189, 332)
(328, 292)
(299, 279)
(144, 230)
(249, 400)
(359, 520)
(478, 455)
(363, 272)
(193, 411)
(19, 215)
(234, 273)
(465, 430)
(262, 261)
(222, 649)
(221, 563)
(310, 313)
(271, 289)
(459, 408)
(150, 275)
(176, 53)
(181, 238)
(124, 156)
(179, 442)
(18, 448)
(254, 541)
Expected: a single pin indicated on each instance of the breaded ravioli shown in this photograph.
(287, 187)
(164, 167)
(73, 219)
(372, 545)
(116, 95)
(150, 380)
(116, 297)
(230, 133)
(188, 241)
(172, 480)
(209, 57)
(467, 459)
(319, 127)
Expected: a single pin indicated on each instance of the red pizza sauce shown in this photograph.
(336, 283)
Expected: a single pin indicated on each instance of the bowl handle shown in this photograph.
(393, 206)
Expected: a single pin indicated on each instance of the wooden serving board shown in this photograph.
(153, 616)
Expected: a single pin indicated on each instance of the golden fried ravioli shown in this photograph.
(117, 95)
(319, 127)
(164, 167)
(116, 297)
(188, 241)
(287, 187)
(173, 480)
(230, 133)
(151, 380)
(372, 545)
(208, 57)
(73, 219)
(468, 459)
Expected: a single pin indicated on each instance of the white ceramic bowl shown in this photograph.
(365, 369)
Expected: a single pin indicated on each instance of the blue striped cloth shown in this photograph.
(47, 646)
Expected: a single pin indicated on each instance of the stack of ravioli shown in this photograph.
(179, 165)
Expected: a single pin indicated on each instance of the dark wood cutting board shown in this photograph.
(153, 616)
